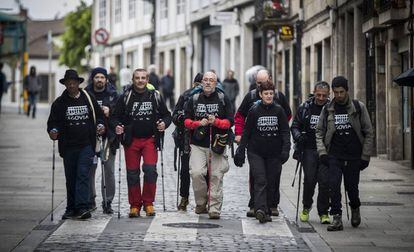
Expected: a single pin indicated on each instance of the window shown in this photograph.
(180, 7)
(118, 11)
(102, 13)
(147, 8)
(131, 8)
(163, 9)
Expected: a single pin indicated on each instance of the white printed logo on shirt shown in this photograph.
(77, 114)
(314, 121)
(141, 110)
(100, 102)
(203, 110)
(342, 124)
(268, 125)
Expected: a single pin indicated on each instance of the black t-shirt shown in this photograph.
(100, 97)
(345, 143)
(141, 111)
(77, 122)
(315, 111)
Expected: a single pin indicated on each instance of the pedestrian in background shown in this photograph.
(33, 85)
(267, 139)
(344, 139)
(153, 77)
(112, 76)
(303, 133)
(3, 83)
(167, 88)
(249, 99)
(208, 116)
(142, 117)
(106, 96)
(75, 119)
(125, 77)
(231, 88)
(182, 143)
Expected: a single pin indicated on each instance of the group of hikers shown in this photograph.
(333, 138)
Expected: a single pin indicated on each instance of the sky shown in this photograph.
(42, 9)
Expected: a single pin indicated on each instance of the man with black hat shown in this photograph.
(106, 96)
(344, 139)
(75, 119)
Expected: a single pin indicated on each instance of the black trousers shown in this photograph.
(350, 170)
(315, 172)
(185, 175)
(266, 173)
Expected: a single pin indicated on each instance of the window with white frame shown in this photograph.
(180, 7)
(163, 9)
(118, 13)
(147, 7)
(131, 8)
(102, 13)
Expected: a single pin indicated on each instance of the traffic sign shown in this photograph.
(101, 36)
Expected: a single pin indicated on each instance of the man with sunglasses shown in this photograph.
(249, 99)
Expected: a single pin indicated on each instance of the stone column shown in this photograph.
(359, 57)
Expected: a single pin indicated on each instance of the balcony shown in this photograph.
(391, 11)
(370, 17)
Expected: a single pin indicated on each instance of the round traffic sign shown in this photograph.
(101, 36)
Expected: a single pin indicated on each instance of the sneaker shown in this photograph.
(250, 213)
(183, 204)
(355, 217)
(83, 214)
(150, 210)
(275, 212)
(325, 219)
(304, 215)
(133, 212)
(336, 223)
(200, 209)
(214, 215)
(69, 214)
(108, 209)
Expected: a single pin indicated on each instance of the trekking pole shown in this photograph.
(53, 177)
(209, 167)
(297, 202)
(162, 168)
(296, 172)
(103, 171)
(178, 173)
(119, 179)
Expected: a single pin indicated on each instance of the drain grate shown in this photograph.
(387, 180)
(45, 227)
(381, 204)
(405, 193)
(191, 225)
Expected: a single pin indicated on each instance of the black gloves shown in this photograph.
(363, 164)
(239, 157)
(324, 160)
(284, 156)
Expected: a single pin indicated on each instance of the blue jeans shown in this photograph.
(350, 171)
(77, 163)
(32, 104)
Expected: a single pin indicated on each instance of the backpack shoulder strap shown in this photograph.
(91, 105)
(195, 100)
(221, 97)
(253, 94)
(127, 96)
(357, 107)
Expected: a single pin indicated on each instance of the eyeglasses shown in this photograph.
(211, 80)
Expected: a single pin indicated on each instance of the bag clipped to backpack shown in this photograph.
(219, 143)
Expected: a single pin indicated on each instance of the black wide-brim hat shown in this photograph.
(71, 74)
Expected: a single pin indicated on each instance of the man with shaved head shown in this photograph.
(249, 99)
(208, 116)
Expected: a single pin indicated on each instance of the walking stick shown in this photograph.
(119, 180)
(53, 177)
(103, 171)
(162, 168)
(297, 202)
(178, 174)
(209, 167)
(296, 172)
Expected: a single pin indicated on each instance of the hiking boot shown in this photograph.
(262, 216)
(200, 209)
(92, 207)
(108, 209)
(69, 214)
(250, 213)
(214, 215)
(304, 215)
(275, 212)
(133, 212)
(355, 217)
(336, 223)
(325, 219)
(183, 204)
(83, 214)
(150, 210)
